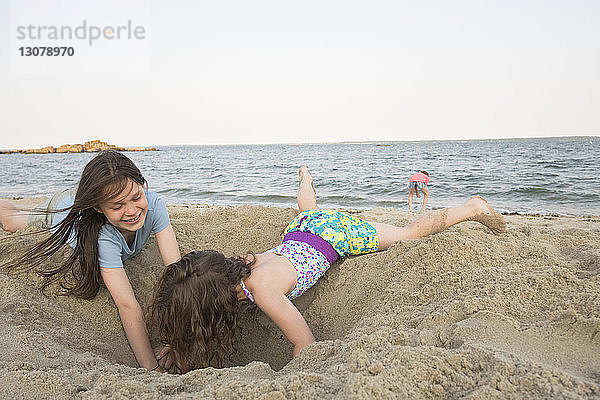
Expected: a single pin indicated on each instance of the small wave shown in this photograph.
(530, 190)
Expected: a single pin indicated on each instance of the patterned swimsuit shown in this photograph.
(314, 240)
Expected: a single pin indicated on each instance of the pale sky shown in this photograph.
(221, 72)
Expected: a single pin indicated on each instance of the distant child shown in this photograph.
(417, 182)
(195, 306)
(106, 220)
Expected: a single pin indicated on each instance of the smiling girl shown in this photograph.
(106, 220)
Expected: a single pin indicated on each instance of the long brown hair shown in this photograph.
(195, 307)
(103, 178)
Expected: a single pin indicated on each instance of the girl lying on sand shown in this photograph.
(195, 307)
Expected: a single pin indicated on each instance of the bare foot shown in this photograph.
(9, 216)
(304, 174)
(486, 215)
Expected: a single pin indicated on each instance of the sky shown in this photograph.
(232, 71)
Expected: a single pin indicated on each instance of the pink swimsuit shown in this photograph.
(310, 265)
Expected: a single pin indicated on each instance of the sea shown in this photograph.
(548, 176)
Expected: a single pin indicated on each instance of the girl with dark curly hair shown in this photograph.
(195, 306)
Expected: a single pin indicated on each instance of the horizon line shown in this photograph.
(348, 141)
(384, 141)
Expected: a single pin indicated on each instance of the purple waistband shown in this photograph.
(315, 241)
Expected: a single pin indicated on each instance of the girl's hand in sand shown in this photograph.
(166, 360)
(158, 368)
(164, 357)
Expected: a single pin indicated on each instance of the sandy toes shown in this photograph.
(488, 216)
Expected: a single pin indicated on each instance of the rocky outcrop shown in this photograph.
(70, 148)
(90, 146)
(43, 150)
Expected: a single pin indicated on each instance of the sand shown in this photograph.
(461, 314)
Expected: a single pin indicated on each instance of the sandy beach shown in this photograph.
(462, 314)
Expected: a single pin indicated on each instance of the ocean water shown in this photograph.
(555, 176)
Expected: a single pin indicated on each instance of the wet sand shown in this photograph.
(461, 314)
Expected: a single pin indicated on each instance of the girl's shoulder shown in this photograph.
(154, 200)
(152, 195)
(158, 215)
(272, 272)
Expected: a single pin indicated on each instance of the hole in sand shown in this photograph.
(326, 308)
(262, 340)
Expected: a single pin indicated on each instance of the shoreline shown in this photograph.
(31, 201)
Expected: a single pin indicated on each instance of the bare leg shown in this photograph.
(425, 197)
(307, 195)
(476, 209)
(410, 196)
(11, 218)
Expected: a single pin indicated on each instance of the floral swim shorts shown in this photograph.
(347, 235)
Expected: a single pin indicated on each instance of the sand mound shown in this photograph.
(461, 314)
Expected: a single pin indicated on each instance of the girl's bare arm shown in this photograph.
(131, 315)
(167, 244)
(281, 310)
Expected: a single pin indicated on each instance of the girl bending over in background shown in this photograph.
(418, 181)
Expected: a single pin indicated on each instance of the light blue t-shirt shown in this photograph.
(112, 246)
